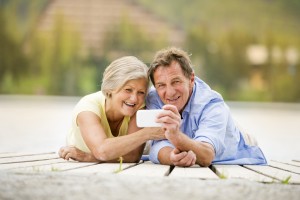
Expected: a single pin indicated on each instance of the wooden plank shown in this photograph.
(285, 167)
(147, 169)
(18, 154)
(275, 173)
(193, 172)
(239, 172)
(56, 167)
(29, 158)
(7, 166)
(101, 168)
(293, 163)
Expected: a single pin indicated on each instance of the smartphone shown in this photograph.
(146, 118)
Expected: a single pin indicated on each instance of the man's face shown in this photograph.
(172, 86)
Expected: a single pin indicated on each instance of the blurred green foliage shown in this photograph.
(218, 35)
(126, 39)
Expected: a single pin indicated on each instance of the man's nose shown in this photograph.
(170, 91)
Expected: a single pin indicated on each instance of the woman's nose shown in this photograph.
(133, 97)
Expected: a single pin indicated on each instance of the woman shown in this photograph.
(104, 123)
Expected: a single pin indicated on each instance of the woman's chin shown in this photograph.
(129, 112)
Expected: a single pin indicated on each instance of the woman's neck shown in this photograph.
(112, 114)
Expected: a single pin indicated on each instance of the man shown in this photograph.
(197, 123)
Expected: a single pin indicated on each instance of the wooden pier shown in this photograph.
(274, 172)
(46, 176)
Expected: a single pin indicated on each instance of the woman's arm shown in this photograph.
(105, 149)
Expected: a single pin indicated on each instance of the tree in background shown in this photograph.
(127, 39)
(13, 61)
(52, 62)
(222, 58)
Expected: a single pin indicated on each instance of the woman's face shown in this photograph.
(130, 97)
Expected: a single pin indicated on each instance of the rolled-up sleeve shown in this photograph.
(156, 146)
(212, 127)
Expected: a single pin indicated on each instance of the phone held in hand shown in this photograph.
(146, 118)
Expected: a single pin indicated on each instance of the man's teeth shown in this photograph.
(173, 99)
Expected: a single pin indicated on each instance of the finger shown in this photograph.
(193, 162)
(60, 152)
(176, 151)
(178, 157)
(65, 151)
(188, 159)
(168, 116)
(171, 108)
(68, 156)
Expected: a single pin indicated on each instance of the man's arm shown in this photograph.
(187, 152)
(204, 152)
(188, 149)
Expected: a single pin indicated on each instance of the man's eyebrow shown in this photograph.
(176, 78)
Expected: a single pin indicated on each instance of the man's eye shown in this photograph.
(128, 90)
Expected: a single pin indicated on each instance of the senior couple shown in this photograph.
(197, 127)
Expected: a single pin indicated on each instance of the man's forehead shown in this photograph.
(174, 68)
(167, 77)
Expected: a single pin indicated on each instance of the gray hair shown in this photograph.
(166, 56)
(120, 71)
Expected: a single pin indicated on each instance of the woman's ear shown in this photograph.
(108, 95)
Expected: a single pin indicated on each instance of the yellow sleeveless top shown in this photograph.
(95, 103)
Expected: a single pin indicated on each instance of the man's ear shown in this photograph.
(192, 79)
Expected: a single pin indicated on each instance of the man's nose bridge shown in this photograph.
(170, 90)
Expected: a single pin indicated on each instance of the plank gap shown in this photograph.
(14, 154)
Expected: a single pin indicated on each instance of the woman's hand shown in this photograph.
(71, 152)
(156, 133)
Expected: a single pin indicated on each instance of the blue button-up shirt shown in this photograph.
(207, 118)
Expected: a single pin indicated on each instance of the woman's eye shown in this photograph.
(128, 90)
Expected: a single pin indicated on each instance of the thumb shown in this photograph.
(176, 151)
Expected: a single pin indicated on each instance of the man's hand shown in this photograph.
(171, 120)
(182, 159)
(71, 152)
